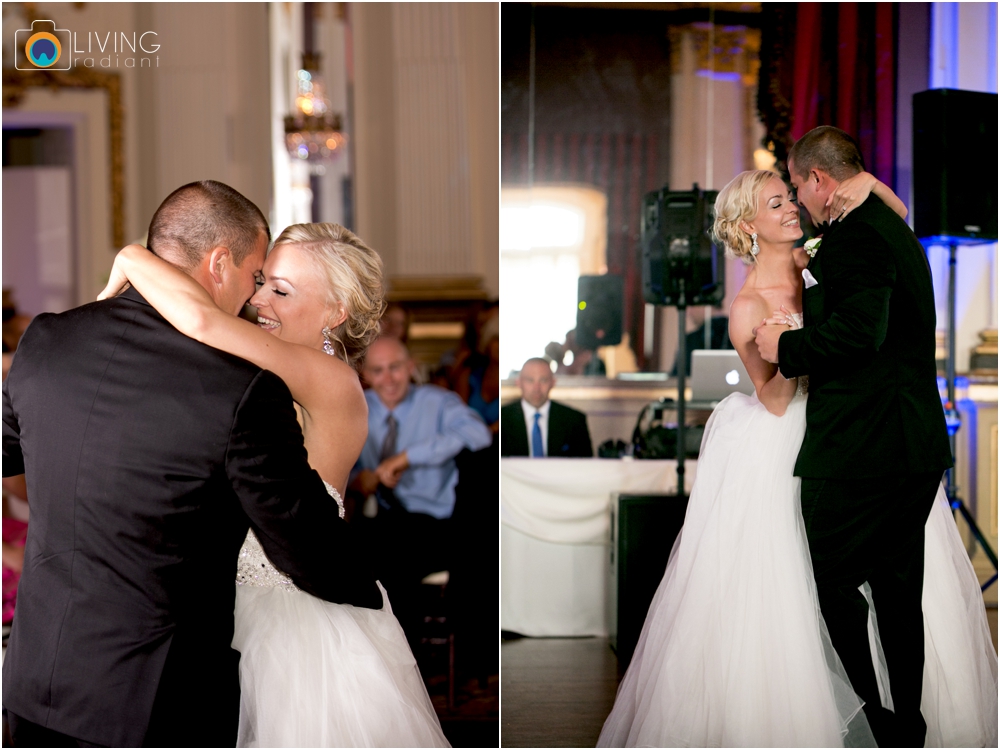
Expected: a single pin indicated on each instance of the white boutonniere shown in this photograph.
(812, 246)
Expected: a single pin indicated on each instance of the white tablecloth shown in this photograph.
(555, 528)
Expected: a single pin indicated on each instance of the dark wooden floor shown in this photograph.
(475, 720)
(555, 692)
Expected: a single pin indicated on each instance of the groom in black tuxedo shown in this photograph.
(147, 457)
(876, 445)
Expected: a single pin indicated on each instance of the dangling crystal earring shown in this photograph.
(756, 248)
(327, 346)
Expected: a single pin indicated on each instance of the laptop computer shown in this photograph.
(715, 373)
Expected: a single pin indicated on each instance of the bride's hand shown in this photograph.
(850, 194)
(782, 317)
(118, 280)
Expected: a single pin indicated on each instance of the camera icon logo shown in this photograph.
(42, 47)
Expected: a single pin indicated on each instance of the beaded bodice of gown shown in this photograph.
(254, 569)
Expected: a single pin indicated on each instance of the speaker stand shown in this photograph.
(953, 419)
(681, 371)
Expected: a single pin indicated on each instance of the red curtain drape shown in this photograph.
(805, 96)
(885, 94)
(847, 54)
(831, 64)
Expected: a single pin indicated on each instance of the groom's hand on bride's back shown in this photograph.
(294, 518)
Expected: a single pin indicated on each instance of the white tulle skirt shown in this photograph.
(959, 698)
(316, 674)
(734, 651)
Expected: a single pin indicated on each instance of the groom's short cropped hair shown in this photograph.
(201, 215)
(829, 149)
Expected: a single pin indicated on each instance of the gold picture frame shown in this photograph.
(17, 82)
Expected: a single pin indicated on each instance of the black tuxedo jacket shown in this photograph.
(868, 349)
(147, 457)
(568, 434)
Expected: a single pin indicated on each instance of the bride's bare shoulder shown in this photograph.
(336, 424)
(326, 385)
(746, 304)
(343, 389)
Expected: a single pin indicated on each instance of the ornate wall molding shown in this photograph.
(15, 86)
(720, 49)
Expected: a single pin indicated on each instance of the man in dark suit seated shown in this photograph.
(535, 426)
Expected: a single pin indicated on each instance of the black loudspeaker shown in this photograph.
(643, 530)
(681, 266)
(954, 154)
(599, 311)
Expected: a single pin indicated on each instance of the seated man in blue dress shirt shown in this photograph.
(408, 463)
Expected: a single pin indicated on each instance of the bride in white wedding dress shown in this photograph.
(734, 650)
(312, 673)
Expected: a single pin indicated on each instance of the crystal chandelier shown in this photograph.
(313, 134)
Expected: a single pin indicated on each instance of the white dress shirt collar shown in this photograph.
(529, 410)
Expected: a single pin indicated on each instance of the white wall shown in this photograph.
(38, 262)
(426, 138)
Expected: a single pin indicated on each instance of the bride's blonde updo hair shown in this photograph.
(737, 202)
(354, 279)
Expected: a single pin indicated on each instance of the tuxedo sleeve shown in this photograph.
(581, 434)
(13, 460)
(294, 518)
(858, 279)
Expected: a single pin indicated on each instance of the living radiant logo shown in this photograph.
(44, 47)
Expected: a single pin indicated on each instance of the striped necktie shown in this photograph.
(389, 443)
(386, 496)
